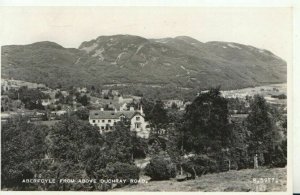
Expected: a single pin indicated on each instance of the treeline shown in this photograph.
(31, 98)
(204, 139)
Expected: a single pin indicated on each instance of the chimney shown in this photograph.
(141, 110)
(102, 109)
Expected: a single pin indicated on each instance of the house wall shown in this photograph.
(142, 130)
(103, 123)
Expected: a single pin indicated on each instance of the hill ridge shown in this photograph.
(181, 61)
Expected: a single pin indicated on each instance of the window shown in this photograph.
(122, 118)
(103, 121)
(109, 121)
(98, 121)
(102, 127)
(94, 121)
(137, 125)
(138, 118)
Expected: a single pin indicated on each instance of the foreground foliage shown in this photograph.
(160, 168)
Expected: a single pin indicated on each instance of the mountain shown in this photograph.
(128, 60)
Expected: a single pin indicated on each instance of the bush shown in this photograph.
(82, 113)
(122, 171)
(281, 96)
(202, 164)
(160, 168)
(279, 155)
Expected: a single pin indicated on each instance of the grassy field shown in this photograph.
(231, 181)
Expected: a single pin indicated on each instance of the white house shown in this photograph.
(123, 100)
(107, 119)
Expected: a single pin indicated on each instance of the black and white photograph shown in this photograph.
(144, 99)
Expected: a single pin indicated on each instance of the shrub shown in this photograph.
(279, 155)
(202, 164)
(281, 96)
(122, 171)
(160, 168)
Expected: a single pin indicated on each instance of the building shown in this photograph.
(123, 107)
(7, 84)
(48, 101)
(4, 85)
(54, 115)
(124, 99)
(32, 115)
(82, 89)
(107, 119)
(170, 103)
(185, 105)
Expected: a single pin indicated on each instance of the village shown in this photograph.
(107, 107)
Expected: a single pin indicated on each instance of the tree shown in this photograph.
(60, 97)
(174, 106)
(174, 145)
(139, 146)
(239, 145)
(31, 97)
(77, 148)
(158, 114)
(122, 171)
(68, 138)
(206, 126)
(120, 144)
(84, 100)
(155, 113)
(148, 105)
(82, 113)
(160, 168)
(22, 144)
(59, 86)
(260, 125)
(72, 148)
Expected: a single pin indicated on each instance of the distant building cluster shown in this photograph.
(7, 84)
(104, 111)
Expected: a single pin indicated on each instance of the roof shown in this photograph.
(107, 114)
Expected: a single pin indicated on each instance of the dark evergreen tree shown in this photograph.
(84, 100)
(156, 115)
(262, 130)
(206, 126)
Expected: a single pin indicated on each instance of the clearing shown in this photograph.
(230, 181)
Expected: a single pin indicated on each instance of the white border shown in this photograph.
(184, 3)
(293, 80)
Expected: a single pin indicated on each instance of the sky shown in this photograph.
(266, 27)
